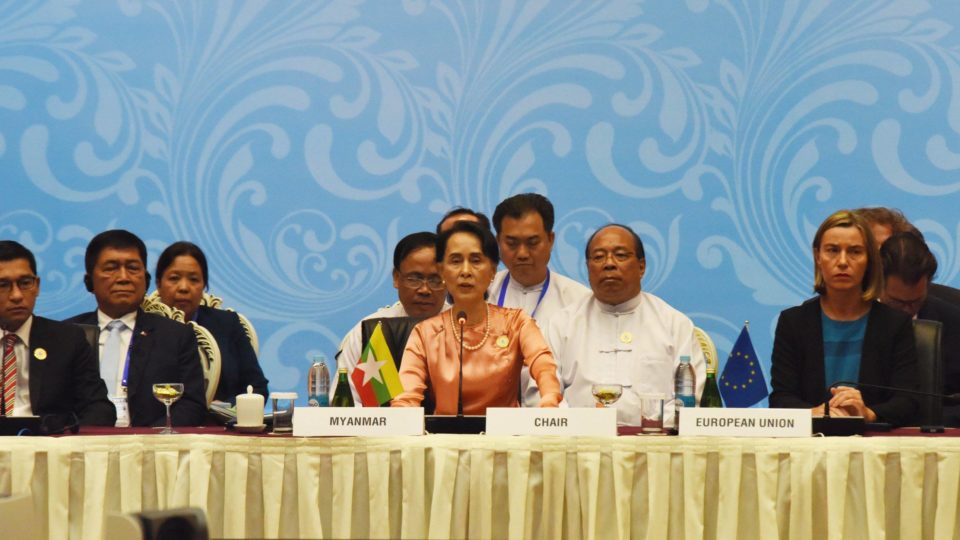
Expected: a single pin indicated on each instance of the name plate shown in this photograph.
(745, 422)
(560, 421)
(357, 421)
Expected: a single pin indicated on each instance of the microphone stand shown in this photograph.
(461, 320)
(440, 423)
(951, 399)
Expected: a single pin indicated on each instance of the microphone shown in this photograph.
(461, 321)
(440, 423)
(950, 399)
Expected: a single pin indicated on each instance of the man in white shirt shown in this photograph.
(47, 367)
(524, 225)
(621, 334)
(420, 290)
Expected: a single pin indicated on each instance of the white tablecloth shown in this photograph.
(443, 486)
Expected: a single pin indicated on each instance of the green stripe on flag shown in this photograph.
(388, 371)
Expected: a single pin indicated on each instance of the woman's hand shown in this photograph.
(851, 402)
(550, 400)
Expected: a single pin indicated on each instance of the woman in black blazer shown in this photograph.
(848, 278)
(181, 280)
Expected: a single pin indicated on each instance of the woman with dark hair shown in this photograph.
(181, 280)
(496, 341)
(844, 334)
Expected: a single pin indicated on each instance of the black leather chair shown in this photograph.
(930, 370)
(174, 524)
(92, 333)
(396, 331)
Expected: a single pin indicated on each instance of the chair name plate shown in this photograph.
(357, 421)
(560, 421)
(734, 422)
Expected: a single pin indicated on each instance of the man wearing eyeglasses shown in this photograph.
(620, 334)
(908, 269)
(420, 290)
(524, 225)
(138, 349)
(48, 368)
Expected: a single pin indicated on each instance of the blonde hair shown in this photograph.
(872, 284)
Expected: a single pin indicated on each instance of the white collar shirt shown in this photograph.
(637, 344)
(114, 388)
(561, 292)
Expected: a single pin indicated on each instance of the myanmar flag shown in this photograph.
(375, 377)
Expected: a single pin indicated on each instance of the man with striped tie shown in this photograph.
(48, 366)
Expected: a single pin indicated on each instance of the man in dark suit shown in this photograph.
(50, 368)
(908, 268)
(885, 222)
(138, 349)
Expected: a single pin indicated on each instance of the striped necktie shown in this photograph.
(9, 373)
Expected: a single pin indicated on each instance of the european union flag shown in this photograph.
(742, 383)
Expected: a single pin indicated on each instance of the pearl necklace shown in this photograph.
(486, 332)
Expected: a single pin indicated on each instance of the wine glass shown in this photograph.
(606, 394)
(167, 393)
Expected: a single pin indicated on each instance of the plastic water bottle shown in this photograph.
(684, 387)
(318, 383)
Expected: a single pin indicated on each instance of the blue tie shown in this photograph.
(112, 356)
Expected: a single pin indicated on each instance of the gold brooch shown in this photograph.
(503, 341)
(40, 353)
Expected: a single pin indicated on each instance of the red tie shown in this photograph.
(9, 373)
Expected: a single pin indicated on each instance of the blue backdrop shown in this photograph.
(296, 142)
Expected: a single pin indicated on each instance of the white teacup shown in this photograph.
(249, 409)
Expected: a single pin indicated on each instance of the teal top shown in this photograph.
(842, 345)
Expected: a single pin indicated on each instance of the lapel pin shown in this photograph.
(40, 353)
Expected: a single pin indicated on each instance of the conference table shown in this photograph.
(478, 486)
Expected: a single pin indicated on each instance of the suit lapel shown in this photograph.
(817, 345)
(869, 353)
(138, 352)
(37, 367)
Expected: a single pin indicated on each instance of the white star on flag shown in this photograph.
(371, 368)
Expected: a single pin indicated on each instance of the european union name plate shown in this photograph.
(357, 421)
(745, 422)
(560, 421)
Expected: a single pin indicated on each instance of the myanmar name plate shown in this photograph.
(559, 421)
(357, 421)
(745, 422)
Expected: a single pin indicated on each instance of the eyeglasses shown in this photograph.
(25, 284)
(415, 281)
(600, 257)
